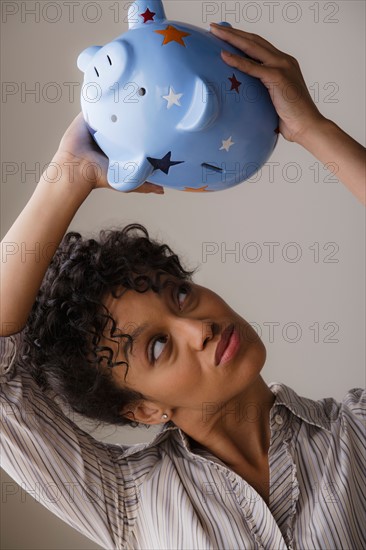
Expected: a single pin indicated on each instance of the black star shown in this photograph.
(163, 164)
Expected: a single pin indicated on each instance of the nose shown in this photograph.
(196, 332)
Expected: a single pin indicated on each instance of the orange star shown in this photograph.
(171, 34)
(198, 190)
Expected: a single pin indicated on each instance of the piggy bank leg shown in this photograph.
(128, 175)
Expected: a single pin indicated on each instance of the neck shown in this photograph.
(237, 432)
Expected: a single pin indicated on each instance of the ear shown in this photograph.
(137, 8)
(145, 412)
(204, 108)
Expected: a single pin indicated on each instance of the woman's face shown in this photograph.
(172, 361)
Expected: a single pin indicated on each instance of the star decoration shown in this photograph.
(148, 15)
(163, 164)
(171, 34)
(226, 144)
(198, 190)
(234, 83)
(172, 98)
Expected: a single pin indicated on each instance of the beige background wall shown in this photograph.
(310, 312)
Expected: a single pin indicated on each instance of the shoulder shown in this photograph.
(326, 412)
(9, 349)
(355, 402)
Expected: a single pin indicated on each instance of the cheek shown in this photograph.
(249, 335)
(179, 382)
(157, 383)
(173, 386)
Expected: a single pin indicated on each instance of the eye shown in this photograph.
(158, 340)
(157, 344)
(183, 289)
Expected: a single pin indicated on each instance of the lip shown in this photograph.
(227, 346)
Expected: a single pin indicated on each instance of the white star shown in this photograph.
(226, 144)
(172, 98)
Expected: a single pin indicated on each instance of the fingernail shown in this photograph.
(226, 53)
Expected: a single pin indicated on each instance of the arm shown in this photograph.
(329, 143)
(76, 477)
(79, 167)
(79, 479)
(40, 227)
(300, 120)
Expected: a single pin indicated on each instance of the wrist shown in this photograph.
(315, 133)
(68, 175)
(61, 185)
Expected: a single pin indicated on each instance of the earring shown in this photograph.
(164, 416)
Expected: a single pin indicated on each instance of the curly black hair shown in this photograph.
(61, 346)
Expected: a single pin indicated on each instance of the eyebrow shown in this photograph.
(134, 335)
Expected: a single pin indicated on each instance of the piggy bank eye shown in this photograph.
(141, 91)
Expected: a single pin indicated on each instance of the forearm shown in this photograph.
(299, 119)
(29, 245)
(329, 144)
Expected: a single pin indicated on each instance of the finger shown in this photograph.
(253, 45)
(148, 187)
(248, 66)
(250, 36)
(79, 126)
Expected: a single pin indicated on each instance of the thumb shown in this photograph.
(149, 187)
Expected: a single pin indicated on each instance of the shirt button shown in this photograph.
(279, 419)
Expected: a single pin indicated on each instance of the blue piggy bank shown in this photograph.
(164, 107)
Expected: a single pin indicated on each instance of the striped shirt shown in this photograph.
(168, 495)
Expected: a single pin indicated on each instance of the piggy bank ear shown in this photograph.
(142, 13)
(86, 56)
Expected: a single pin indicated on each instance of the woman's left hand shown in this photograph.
(281, 75)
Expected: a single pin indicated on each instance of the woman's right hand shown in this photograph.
(90, 165)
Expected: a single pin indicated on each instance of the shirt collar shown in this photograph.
(318, 413)
(159, 437)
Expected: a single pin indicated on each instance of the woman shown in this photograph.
(121, 331)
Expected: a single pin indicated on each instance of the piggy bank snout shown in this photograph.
(105, 65)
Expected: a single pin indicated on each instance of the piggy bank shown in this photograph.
(164, 107)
